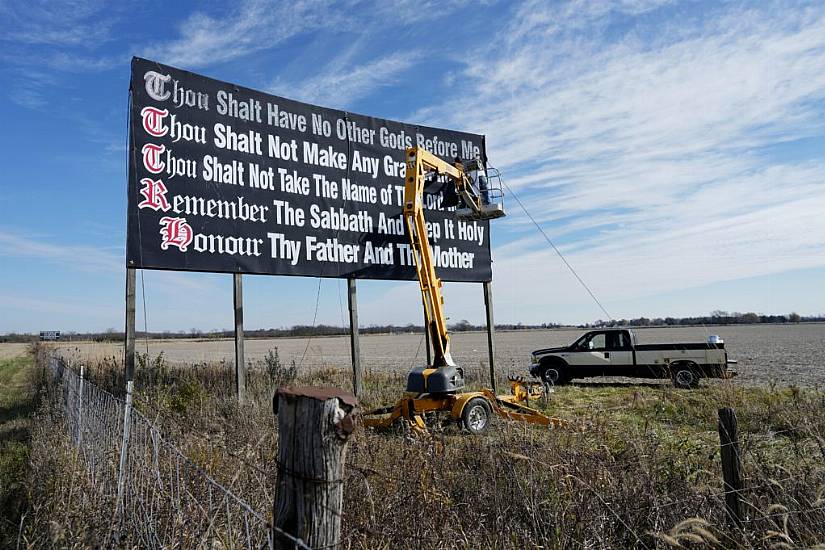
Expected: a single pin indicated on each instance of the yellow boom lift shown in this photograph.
(439, 387)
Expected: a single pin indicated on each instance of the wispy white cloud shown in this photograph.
(103, 261)
(405, 12)
(251, 26)
(80, 63)
(342, 81)
(68, 23)
(656, 142)
(648, 151)
(257, 25)
(40, 40)
(86, 258)
(30, 87)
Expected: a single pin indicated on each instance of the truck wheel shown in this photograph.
(476, 415)
(554, 375)
(685, 377)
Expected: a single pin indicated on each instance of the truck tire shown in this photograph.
(476, 415)
(685, 376)
(555, 374)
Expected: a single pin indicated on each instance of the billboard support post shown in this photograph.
(491, 347)
(129, 352)
(355, 345)
(240, 363)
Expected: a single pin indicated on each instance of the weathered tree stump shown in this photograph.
(314, 424)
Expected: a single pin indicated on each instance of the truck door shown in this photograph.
(590, 359)
(620, 352)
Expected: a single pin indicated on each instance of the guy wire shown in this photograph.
(563, 259)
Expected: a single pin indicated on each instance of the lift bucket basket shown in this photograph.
(484, 190)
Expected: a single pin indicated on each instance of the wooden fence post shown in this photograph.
(314, 424)
(731, 465)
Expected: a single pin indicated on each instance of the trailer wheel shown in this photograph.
(476, 415)
(685, 377)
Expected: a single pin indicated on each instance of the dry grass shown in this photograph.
(639, 466)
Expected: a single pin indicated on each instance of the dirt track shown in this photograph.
(8, 351)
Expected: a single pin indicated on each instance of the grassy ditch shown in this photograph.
(17, 405)
(638, 466)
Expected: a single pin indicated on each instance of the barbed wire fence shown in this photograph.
(166, 499)
(160, 498)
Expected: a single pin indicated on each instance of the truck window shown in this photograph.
(614, 340)
(597, 342)
(624, 341)
(618, 341)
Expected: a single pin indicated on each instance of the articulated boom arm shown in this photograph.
(419, 162)
(440, 387)
(475, 197)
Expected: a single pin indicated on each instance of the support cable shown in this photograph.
(323, 268)
(563, 259)
(314, 319)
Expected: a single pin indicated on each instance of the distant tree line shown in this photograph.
(715, 318)
(298, 331)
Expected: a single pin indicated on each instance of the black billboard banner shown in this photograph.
(228, 179)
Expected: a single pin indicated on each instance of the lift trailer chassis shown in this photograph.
(514, 406)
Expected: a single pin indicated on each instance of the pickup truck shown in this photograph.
(614, 352)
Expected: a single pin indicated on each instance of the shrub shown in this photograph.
(279, 374)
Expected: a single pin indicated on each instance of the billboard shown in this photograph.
(228, 179)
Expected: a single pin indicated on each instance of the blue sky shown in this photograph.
(675, 151)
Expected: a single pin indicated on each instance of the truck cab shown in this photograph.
(602, 352)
